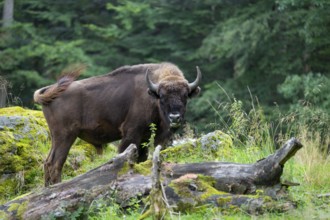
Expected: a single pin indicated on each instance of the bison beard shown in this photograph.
(118, 105)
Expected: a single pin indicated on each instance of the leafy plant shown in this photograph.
(151, 142)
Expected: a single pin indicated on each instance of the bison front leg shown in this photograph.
(133, 137)
(56, 158)
(143, 153)
(142, 150)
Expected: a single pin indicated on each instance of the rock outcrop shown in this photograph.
(24, 144)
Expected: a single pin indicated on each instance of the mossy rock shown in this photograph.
(210, 147)
(23, 135)
(24, 145)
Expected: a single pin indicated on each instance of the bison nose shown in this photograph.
(174, 117)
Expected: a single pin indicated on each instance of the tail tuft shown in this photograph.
(46, 95)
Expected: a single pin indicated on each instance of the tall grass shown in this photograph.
(258, 136)
(252, 134)
(314, 161)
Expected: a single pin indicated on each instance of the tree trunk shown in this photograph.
(185, 185)
(8, 13)
(3, 92)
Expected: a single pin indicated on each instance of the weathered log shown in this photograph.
(241, 178)
(186, 186)
(157, 197)
(60, 200)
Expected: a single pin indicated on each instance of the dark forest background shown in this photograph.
(274, 54)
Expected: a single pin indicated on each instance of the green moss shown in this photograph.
(20, 208)
(181, 188)
(80, 156)
(217, 144)
(211, 147)
(185, 206)
(16, 110)
(24, 145)
(206, 184)
(4, 215)
(8, 187)
(21, 196)
(207, 179)
(227, 204)
(143, 168)
(126, 167)
(13, 207)
(178, 153)
(20, 157)
(202, 189)
(260, 194)
(222, 201)
(208, 191)
(145, 215)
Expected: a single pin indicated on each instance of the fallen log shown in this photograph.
(186, 186)
(241, 178)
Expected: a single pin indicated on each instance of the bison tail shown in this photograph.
(46, 95)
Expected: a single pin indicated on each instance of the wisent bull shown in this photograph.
(118, 105)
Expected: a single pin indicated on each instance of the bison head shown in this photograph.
(173, 95)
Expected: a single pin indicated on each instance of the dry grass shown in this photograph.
(314, 163)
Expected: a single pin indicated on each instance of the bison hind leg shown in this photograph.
(53, 165)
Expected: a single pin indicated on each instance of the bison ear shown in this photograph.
(195, 92)
(153, 94)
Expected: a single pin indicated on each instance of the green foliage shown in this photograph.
(312, 104)
(104, 209)
(311, 88)
(258, 46)
(151, 142)
(247, 127)
(31, 62)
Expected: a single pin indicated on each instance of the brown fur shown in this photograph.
(114, 106)
(47, 94)
(168, 72)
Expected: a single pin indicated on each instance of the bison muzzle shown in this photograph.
(119, 105)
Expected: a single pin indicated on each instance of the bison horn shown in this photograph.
(152, 86)
(193, 85)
